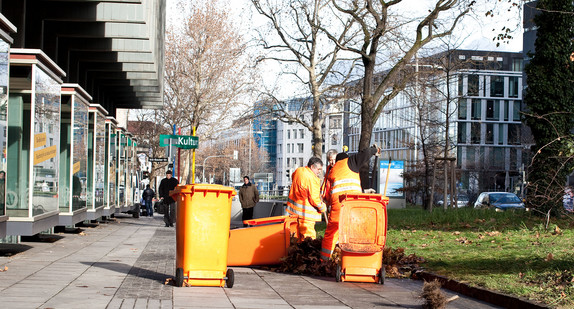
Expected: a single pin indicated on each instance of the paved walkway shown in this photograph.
(124, 264)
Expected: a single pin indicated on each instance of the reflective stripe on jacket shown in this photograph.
(342, 180)
(305, 195)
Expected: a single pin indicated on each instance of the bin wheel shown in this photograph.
(179, 277)
(382, 274)
(338, 273)
(230, 278)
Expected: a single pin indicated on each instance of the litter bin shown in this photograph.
(202, 235)
(362, 237)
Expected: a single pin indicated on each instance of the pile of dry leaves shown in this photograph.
(305, 258)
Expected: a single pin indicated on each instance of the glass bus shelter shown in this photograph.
(33, 157)
(95, 186)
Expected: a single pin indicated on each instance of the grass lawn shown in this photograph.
(511, 252)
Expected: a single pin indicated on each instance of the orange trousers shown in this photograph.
(331, 237)
(306, 229)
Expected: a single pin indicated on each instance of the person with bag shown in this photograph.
(248, 197)
(167, 184)
(148, 197)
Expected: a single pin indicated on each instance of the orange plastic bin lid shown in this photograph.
(363, 223)
(202, 188)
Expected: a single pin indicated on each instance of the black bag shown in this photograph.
(159, 207)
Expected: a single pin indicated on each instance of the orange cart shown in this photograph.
(202, 235)
(362, 237)
(264, 242)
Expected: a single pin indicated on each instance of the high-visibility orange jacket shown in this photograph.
(341, 180)
(305, 195)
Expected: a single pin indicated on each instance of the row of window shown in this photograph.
(294, 162)
(494, 85)
(294, 134)
(489, 133)
(481, 109)
(291, 148)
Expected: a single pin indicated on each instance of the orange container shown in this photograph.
(202, 235)
(265, 242)
(362, 237)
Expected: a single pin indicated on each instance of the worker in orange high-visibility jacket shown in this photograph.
(305, 197)
(331, 156)
(343, 179)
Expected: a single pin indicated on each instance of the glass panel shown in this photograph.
(498, 157)
(506, 105)
(489, 135)
(18, 155)
(100, 161)
(4, 55)
(473, 85)
(514, 134)
(460, 85)
(112, 166)
(65, 153)
(500, 134)
(46, 140)
(490, 109)
(497, 86)
(462, 132)
(91, 157)
(517, 65)
(475, 133)
(513, 86)
(462, 102)
(476, 109)
(80, 151)
(516, 111)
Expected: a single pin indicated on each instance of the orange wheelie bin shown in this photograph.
(362, 237)
(202, 235)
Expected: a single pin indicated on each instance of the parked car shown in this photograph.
(461, 201)
(500, 201)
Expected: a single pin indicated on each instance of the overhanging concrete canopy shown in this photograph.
(111, 48)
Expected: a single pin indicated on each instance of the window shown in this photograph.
(498, 157)
(300, 147)
(288, 148)
(516, 111)
(473, 85)
(497, 86)
(492, 110)
(302, 133)
(288, 162)
(514, 134)
(500, 134)
(476, 109)
(334, 139)
(335, 122)
(489, 135)
(288, 134)
(301, 162)
(470, 156)
(475, 133)
(513, 158)
(517, 65)
(462, 132)
(462, 108)
(506, 104)
(460, 84)
(294, 133)
(513, 86)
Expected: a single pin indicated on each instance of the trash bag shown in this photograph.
(159, 207)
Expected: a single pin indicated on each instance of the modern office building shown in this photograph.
(482, 105)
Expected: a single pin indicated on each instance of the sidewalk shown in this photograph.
(124, 264)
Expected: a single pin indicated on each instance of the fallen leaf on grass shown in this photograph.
(464, 240)
(456, 233)
(494, 233)
(557, 231)
(424, 245)
(520, 275)
(549, 257)
(480, 236)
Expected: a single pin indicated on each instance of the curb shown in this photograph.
(488, 296)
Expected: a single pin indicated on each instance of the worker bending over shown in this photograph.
(343, 179)
(305, 197)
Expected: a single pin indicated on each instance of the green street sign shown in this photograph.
(179, 141)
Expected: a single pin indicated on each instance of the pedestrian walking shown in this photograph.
(148, 197)
(305, 197)
(167, 184)
(343, 178)
(248, 197)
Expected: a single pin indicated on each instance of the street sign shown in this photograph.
(179, 141)
(158, 159)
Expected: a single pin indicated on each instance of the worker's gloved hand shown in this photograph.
(370, 191)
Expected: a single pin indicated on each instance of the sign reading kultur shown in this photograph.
(180, 141)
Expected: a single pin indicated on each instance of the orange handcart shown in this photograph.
(202, 235)
(362, 237)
